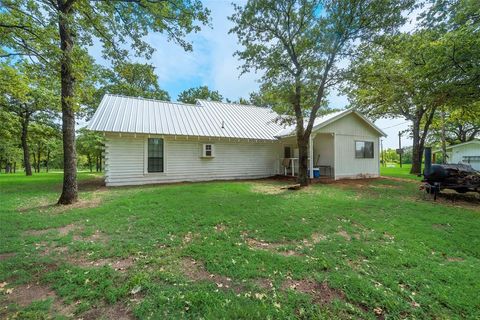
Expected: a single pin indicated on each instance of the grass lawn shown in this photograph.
(398, 172)
(360, 249)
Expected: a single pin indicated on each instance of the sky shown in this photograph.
(213, 64)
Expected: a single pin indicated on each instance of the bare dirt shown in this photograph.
(274, 247)
(117, 311)
(62, 231)
(321, 293)
(195, 271)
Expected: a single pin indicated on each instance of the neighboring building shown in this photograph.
(467, 152)
(149, 141)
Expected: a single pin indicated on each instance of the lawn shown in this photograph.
(398, 172)
(360, 249)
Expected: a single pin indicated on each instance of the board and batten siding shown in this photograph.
(126, 160)
(346, 131)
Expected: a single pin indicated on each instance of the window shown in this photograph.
(287, 152)
(208, 151)
(363, 149)
(155, 155)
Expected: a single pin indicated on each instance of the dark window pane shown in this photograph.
(368, 149)
(155, 155)
(287, 152)
(359, 149)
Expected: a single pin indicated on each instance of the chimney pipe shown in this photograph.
(428, 161)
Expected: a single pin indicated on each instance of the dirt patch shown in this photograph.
(264, 283)
(455, 259)
(267, 188)
(344, 235)
(96, 236)
(45, 205)
(314, 239)
(220, 227)
(24, 295)
(117, 311)
(5, 256)
(441, 226)
(62, 231)
(195, 271)
(321, 293)
(271, 247)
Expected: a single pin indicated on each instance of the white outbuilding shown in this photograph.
(150, 141)
(467, 152)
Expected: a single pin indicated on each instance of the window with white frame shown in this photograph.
(208, 150)
(363, 149)
(155, 155)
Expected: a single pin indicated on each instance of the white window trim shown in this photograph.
(145, 157)
(204, 150)
(363, 158)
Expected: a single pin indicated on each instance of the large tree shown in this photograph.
(203, 92)
(133, 79)
(57, 33)
(299, 46)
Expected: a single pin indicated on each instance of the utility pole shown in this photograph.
(381, 149)
(400, 151)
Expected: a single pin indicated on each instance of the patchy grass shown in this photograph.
(365, 249)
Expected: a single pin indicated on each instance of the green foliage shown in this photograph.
(133, 79)
(203, 92)
(90, 144)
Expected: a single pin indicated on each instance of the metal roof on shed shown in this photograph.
(206, 119)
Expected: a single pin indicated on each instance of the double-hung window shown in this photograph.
(363, 149)
(155, 155)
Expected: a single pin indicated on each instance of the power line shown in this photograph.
(399, 124)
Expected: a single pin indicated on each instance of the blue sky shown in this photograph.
(212, 63)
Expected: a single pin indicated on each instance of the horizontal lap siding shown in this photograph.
(233, 160)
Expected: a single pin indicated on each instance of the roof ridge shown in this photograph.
(236, 104)
(150, 99)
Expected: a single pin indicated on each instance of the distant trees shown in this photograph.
(203, 92)
(90, 145)
(27, 95)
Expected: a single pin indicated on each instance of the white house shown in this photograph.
(150, 141)
(467, 152)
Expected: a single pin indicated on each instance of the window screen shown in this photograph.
(155, 155)
(363, 149)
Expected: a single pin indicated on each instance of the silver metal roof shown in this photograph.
(206, 119)
(123, 114)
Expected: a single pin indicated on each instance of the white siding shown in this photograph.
(126, 158)
(471, 149)
(348, 130)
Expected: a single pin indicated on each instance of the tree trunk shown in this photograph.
(416, 151)
(34, 161)
(26, 151)
(15, 167)
(443, 138)
(89, 158)
(70, 188)
(48, 160)
(303, 178)
(38, 158)
(100, 162)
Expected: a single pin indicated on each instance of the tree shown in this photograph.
(57, 33)
(203, 92)
(300, 44)
(133, 79)
(91, 145)
(25, 94)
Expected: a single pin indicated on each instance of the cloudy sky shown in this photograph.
(212, 63)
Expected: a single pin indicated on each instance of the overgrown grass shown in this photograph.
(384, 250)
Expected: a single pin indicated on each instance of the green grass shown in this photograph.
(397, 172)
(407, 257)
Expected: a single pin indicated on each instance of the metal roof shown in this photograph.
(123, 114)
(206, 119)
(324, 120)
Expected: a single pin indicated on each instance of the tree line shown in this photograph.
(303, 50)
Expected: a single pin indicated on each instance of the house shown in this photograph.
(149, 141)
(467, 152)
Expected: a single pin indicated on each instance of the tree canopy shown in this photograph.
(202, 92)
(299, 46)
